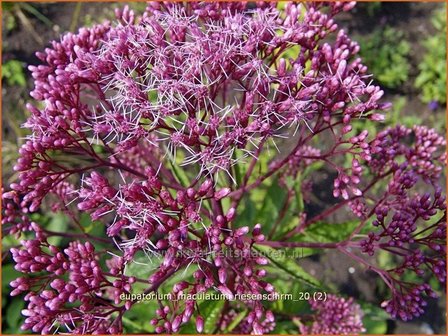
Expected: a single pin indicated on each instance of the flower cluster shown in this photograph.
(72, 276)
(245, 325)
(154, 112)
(334, 316)
(400, 211)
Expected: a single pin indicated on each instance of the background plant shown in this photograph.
(385, 51)
(432, 77)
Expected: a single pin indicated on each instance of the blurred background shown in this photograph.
(403, 44)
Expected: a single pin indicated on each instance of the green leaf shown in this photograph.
(290, 218)
(58, 223)
(188, 329)
(375, 318)
(238, 171)
(131, 326)
(140, 316)
(8, 274)
(94, 228)
(431, 79)
(374, 326)
(273, 202)
(7, 6)
(301, 252)
(13, 314)
(323, 232)
(293, 306)
(236, 320)
(12, 71)
(29, 8)
(247, 213)
(386, 53)
(142, 266)
(179, 173)
(10, 241)
(211, 312)
(297, 204)
(288, 266)
(182, 274)
(285, 327)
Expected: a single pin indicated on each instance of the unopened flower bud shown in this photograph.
(221, 193)
(199, 324)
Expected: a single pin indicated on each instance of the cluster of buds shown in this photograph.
(228, 265)
(72, 276)
(401, 215)
(245, 325)
(334, 316)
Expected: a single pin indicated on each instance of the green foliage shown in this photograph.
(323, 232)
(211, 312)
(236, 320)
(58, 223)
(270, 204)
(372, 8)
(397, 115)
(431, 79)
(33, 11)
(375, 319)
(290, 307)
(10, 22)
(14, 318)
(385, 52)
(12, 72)
(12, 307)
(285, 328)
(285, 265)
(136, 321)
